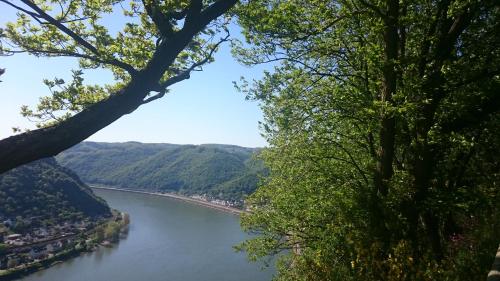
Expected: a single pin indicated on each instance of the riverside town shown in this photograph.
(26, 245)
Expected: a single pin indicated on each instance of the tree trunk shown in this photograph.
(384, 169)
(385, 152)
(26, 147)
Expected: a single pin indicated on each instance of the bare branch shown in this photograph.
(155, 97)
(185, 74)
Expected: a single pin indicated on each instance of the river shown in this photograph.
(169, 240)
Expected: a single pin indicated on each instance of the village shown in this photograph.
(37, 243)
(45, 243)
(225, 203)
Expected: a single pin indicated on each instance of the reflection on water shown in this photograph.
(167, 240)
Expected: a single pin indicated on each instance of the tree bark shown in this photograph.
(384, 169)
(425, 158)
(385, 150)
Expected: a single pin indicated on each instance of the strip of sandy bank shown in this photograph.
(175, 196)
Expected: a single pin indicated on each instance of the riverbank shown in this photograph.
(13, 274)
(175, 196)
(103, 234)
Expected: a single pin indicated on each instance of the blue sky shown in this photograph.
(204, 109)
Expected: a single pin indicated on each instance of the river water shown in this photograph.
(169, 240)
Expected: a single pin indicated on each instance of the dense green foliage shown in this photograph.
(382, 119)
(43, 191)
(222, 171)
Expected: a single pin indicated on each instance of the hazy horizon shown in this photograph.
(141, 142)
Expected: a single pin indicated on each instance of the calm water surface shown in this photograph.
(169, 240)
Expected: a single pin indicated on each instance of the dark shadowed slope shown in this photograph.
(47, 191)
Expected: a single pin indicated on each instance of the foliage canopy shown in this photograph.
(382, 119)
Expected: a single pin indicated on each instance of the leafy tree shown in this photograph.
(159, 45)
(99, 234)
(381, 118)
(112, 231)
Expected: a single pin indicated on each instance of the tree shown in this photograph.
(112, 231)
(99, 234)
(381, 120)
(160, 45)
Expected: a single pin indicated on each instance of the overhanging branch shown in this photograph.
(186, 73)
(36, 144)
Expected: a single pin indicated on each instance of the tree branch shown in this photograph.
(159, 19)
(186, 73)
(35, 16)
(65, 53)
(215, 10)
(60, 26)
(29, 146)
(50, 20)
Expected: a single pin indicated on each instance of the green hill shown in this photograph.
(221, 171)
(47, 191)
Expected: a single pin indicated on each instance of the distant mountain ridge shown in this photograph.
(48, 191)
(226, 172)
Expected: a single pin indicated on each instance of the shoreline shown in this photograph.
(175, 196)
(17, 273)
(67, 254)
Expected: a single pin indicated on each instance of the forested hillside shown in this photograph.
(49, 192)
(221, 171)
